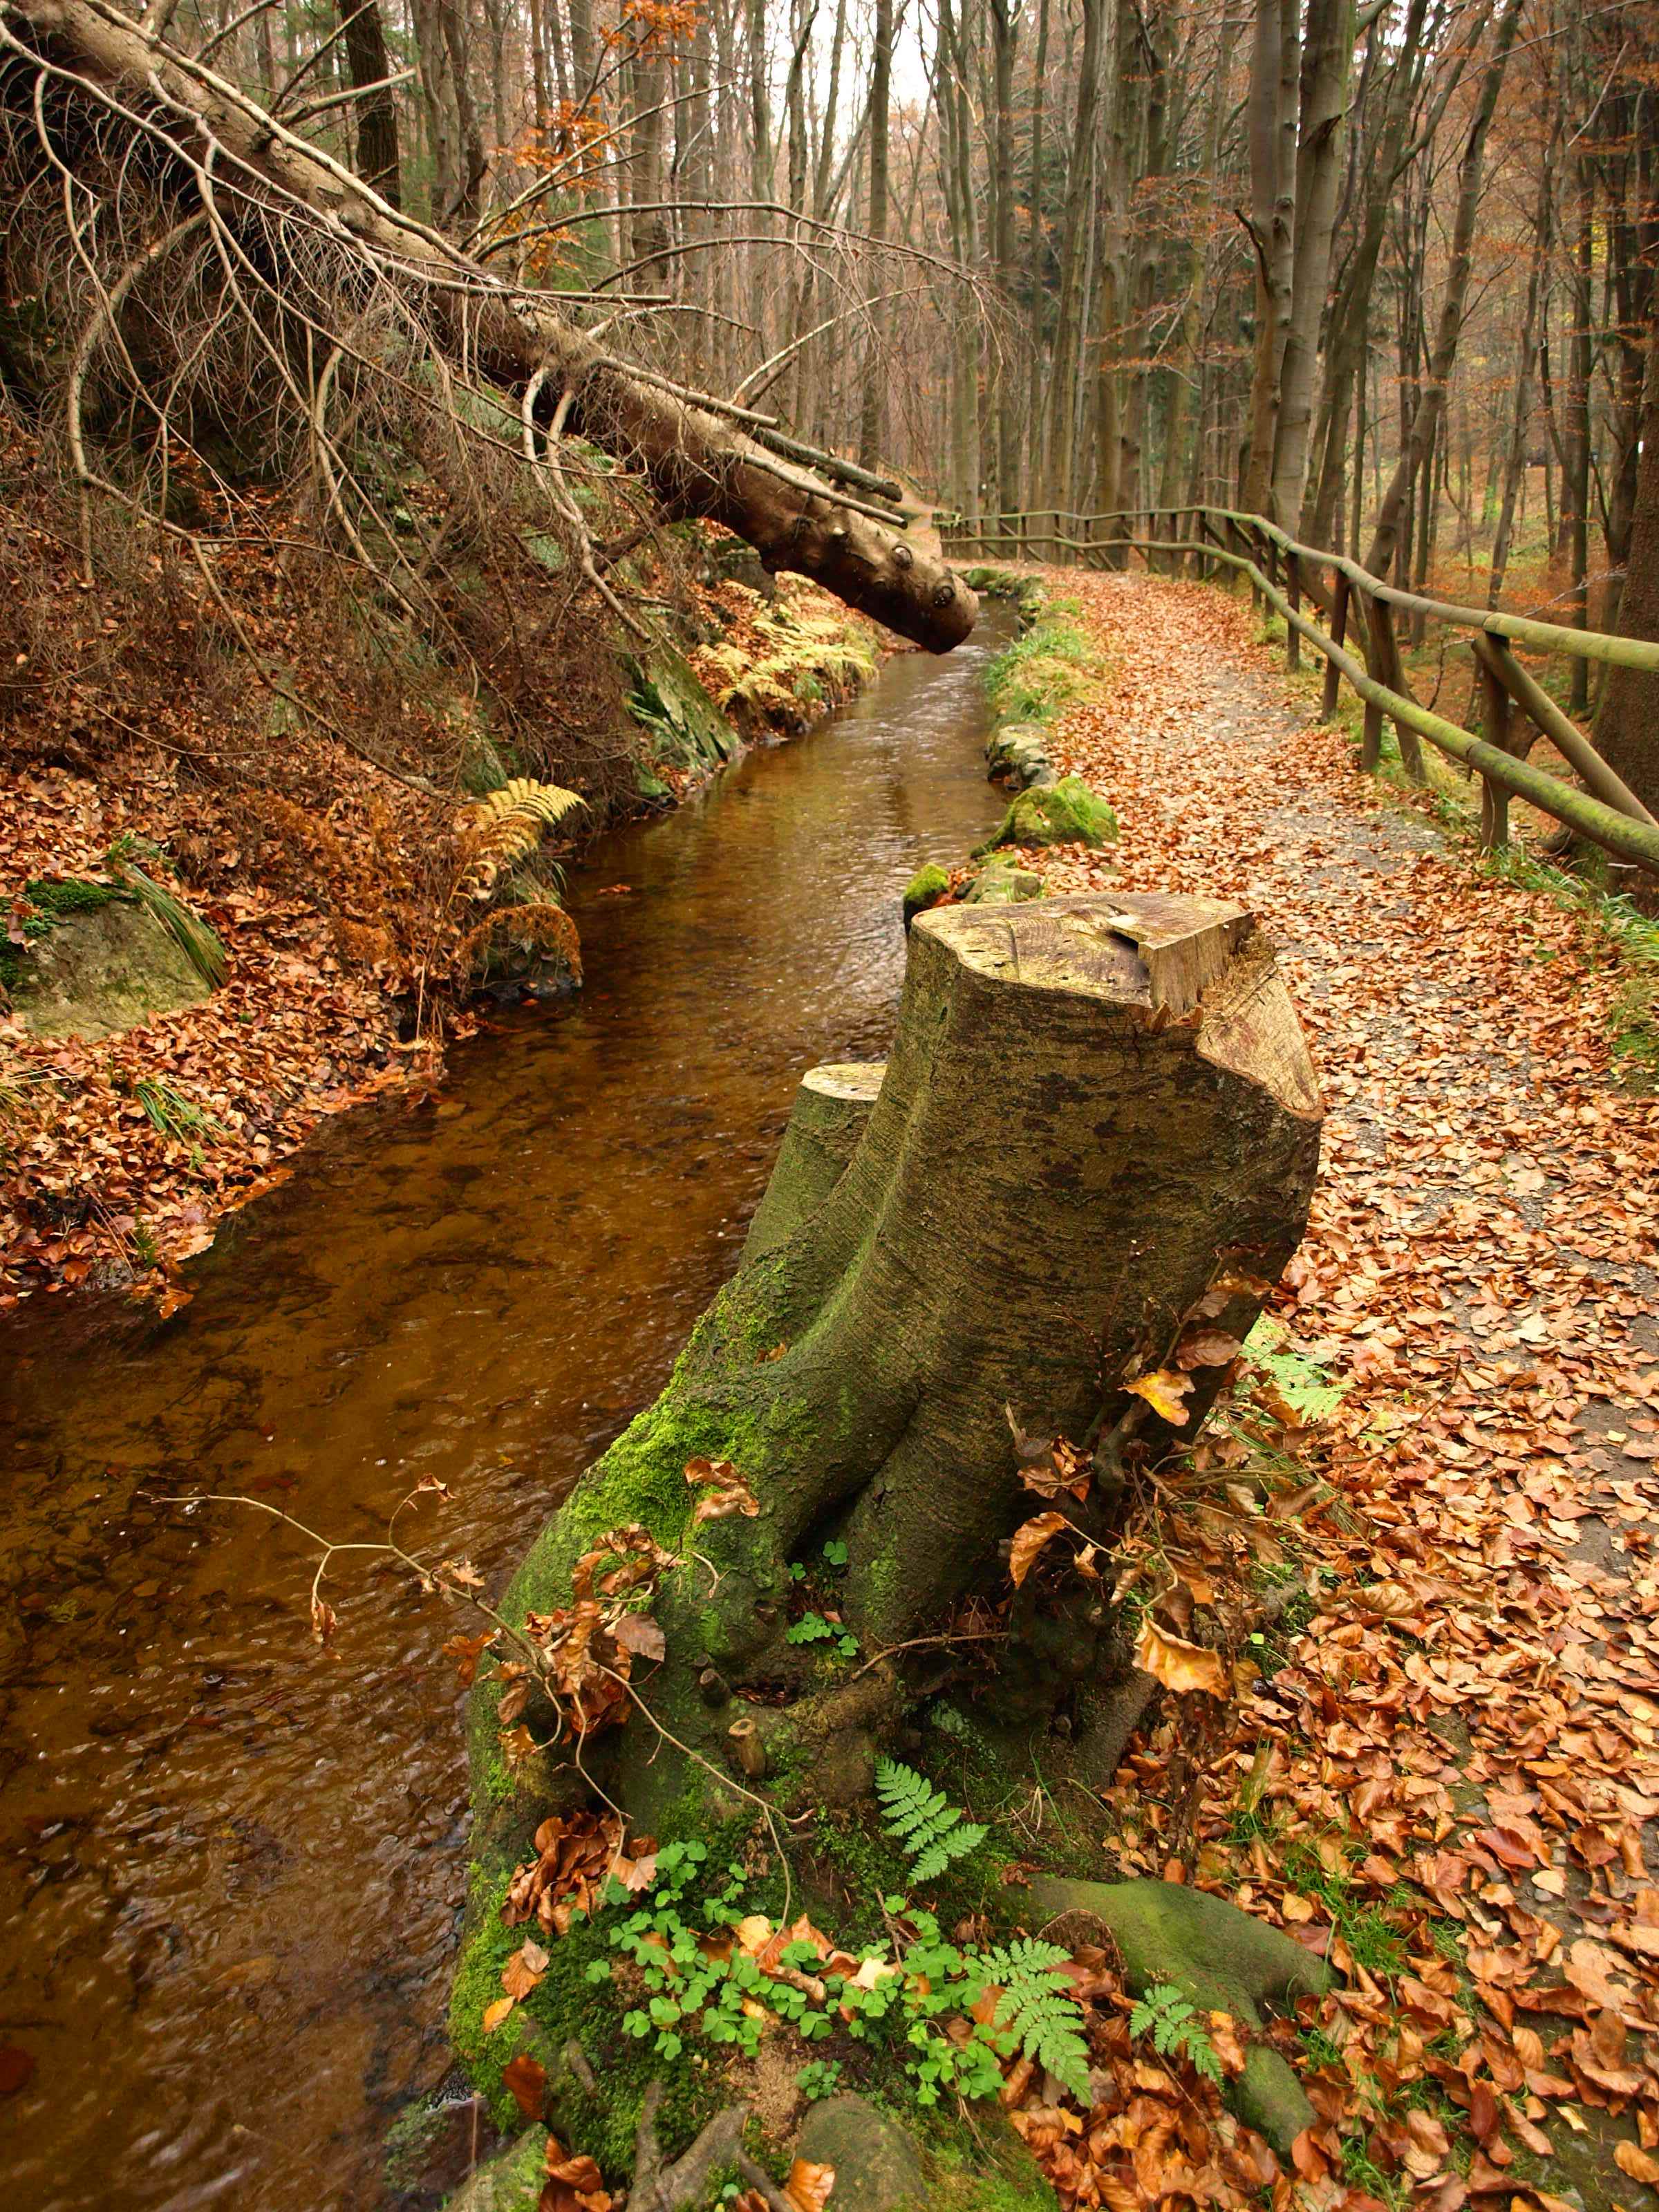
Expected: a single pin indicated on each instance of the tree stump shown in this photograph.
(1094, 1108)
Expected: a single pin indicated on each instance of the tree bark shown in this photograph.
(698, 462)
(1627, 725)
(1096, 1110)
(377, 116)
(1426, 415)
(1274, 72)
(1327, 65)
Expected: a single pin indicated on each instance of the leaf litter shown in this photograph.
(1440, 1766)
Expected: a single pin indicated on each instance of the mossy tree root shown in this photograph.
(1093, 1106)
(1220, 1958)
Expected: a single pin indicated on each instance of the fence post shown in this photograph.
(1339, 632)
(1394, 675)
(1495, 728)
(1370, 743)
(1293, 593)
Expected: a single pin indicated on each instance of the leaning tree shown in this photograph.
(163, 168)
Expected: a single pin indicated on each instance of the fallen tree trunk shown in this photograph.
(82, 69)
(1099, 1121)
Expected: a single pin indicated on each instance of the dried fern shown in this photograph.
(505, 827)
(540, 927)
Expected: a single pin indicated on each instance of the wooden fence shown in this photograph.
(1515, 708)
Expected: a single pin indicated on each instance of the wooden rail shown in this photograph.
(1283, 574)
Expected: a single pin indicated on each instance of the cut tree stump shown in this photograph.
(1096, 1109)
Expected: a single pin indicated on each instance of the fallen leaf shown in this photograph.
(808, 2187)
(1030, 1539)
(1179, 1666)
(1164, 1390)
(527, 2080)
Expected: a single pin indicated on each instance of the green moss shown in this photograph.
(51, 903)
(1051, 667)
(1065, 813)
(925, 889)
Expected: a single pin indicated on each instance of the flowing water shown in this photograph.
(231, 1865)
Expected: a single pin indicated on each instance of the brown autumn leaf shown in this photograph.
(494, 2013)
(808, 2187)
(466, 1651)
(524, 1969)
(525, 2080)
(1178, 1665)
(725, 1491)
(574, 2184)
(1206, 1347)
(639, 1633)
(1030, 1540)
(1635, 2162)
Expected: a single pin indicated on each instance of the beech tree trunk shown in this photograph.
(1095, 1109)
(697, 462)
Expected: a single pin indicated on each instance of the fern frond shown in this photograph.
(923, 1821)
(505, 827)
(1038, 2009)
(541, 925)
(1177, 2030)
(547, 803)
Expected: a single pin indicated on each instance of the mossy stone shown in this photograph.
(102, 966)
(511, 2182)
(925, 889)
(878, 2167)
(1063, 813)
(999, 886)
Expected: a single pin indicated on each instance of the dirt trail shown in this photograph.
(1464, 1771)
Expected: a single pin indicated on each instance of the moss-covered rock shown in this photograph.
(877, 2166)
(1065, 813)
(103, 963)
(511, 2182)
(665, 698)
(999, 885)
(1018, 755)
(926, 887)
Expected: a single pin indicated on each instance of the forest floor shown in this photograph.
(1445, 1774)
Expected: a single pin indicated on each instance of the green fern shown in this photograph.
(1177, 2030)
(1038, 2011)
(922, 1819)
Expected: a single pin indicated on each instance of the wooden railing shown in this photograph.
(1516, 710)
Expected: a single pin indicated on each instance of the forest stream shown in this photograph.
(231, 1864)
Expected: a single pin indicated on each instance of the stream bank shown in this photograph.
(352, 914)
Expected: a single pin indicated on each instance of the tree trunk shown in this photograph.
(1098, 1112)
(697, 462)
(1327, 65)
(1425, 415)
(377, 116)
(1075, 227)
(1274, 70)
(1627, 725)
(881, 77)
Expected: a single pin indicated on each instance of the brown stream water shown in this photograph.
(231, 1865)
